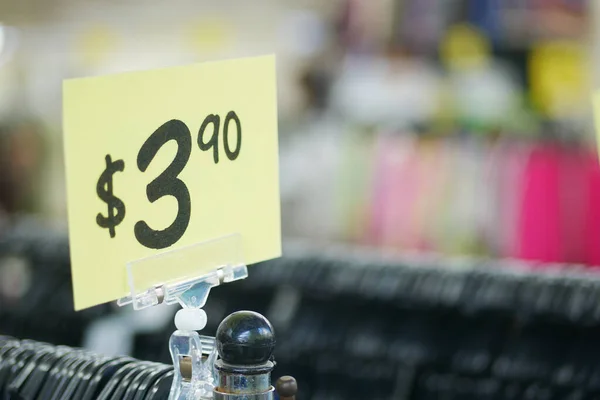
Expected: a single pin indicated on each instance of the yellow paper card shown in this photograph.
(163, 159)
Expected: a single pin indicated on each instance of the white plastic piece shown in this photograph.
(190, 319)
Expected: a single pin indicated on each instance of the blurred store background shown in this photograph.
(446, 128)
(460, 127)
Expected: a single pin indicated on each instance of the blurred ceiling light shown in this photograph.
(303, 33)
(95, 44)
(2, 38)
(209, 35)
(8, 43)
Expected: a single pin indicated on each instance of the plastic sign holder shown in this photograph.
(199, 268)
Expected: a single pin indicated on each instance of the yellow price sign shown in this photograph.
(162, 159)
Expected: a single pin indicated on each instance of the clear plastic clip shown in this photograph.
(199, 267)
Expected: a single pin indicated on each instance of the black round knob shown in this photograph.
(245, 338)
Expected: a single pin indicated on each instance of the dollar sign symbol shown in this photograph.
(104, 188)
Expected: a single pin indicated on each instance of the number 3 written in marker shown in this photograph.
(168, 182)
